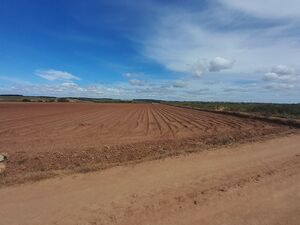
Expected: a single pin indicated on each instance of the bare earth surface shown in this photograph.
(43, 137)
(249, 184)
(38, 127)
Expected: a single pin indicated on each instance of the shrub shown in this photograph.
(62, 100)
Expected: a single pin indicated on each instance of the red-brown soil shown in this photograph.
(41, 137)
(248, 184)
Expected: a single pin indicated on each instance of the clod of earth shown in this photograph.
(2, 158)
(2, 168)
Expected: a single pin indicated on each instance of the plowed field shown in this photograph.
(55, 136)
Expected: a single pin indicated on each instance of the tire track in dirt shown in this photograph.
(253, 183)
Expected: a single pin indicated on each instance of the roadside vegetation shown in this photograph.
(264, 109)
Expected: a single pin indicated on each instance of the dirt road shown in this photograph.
(256, 183)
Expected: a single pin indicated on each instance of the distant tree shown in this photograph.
(62, 100)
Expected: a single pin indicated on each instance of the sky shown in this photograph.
(200, 50)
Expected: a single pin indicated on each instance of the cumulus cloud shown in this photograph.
(136, 82)
(198, 92)
(270, 76)
(71, 85)
(128, 75)
(199, 68)
(181, 37)
(132, 75)
(179, 84)
(282, 78)
(219, 63)
(282, 70)
(280, 86)
(216, 64)
(281, 73)
(67, 89)
(53, 75)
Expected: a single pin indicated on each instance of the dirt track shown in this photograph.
(250, 184)
(42, 137)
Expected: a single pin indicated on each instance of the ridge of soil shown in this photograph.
(46, 139)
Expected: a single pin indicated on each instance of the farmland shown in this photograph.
(207, 164)
(43, 137)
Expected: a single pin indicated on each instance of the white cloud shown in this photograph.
(282, 70)
(179, 84)
(198, 69)
(281, 73)
(219, 63)
(128, 75)
(280, 86)
(181, 44)
(195, 89)
(53, 75)
(132, 75)
(270, 76)
(273, 9)
(69, 84)
(136, 82)
(10, 79)
(282, 79)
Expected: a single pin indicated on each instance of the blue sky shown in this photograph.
(217, 50)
